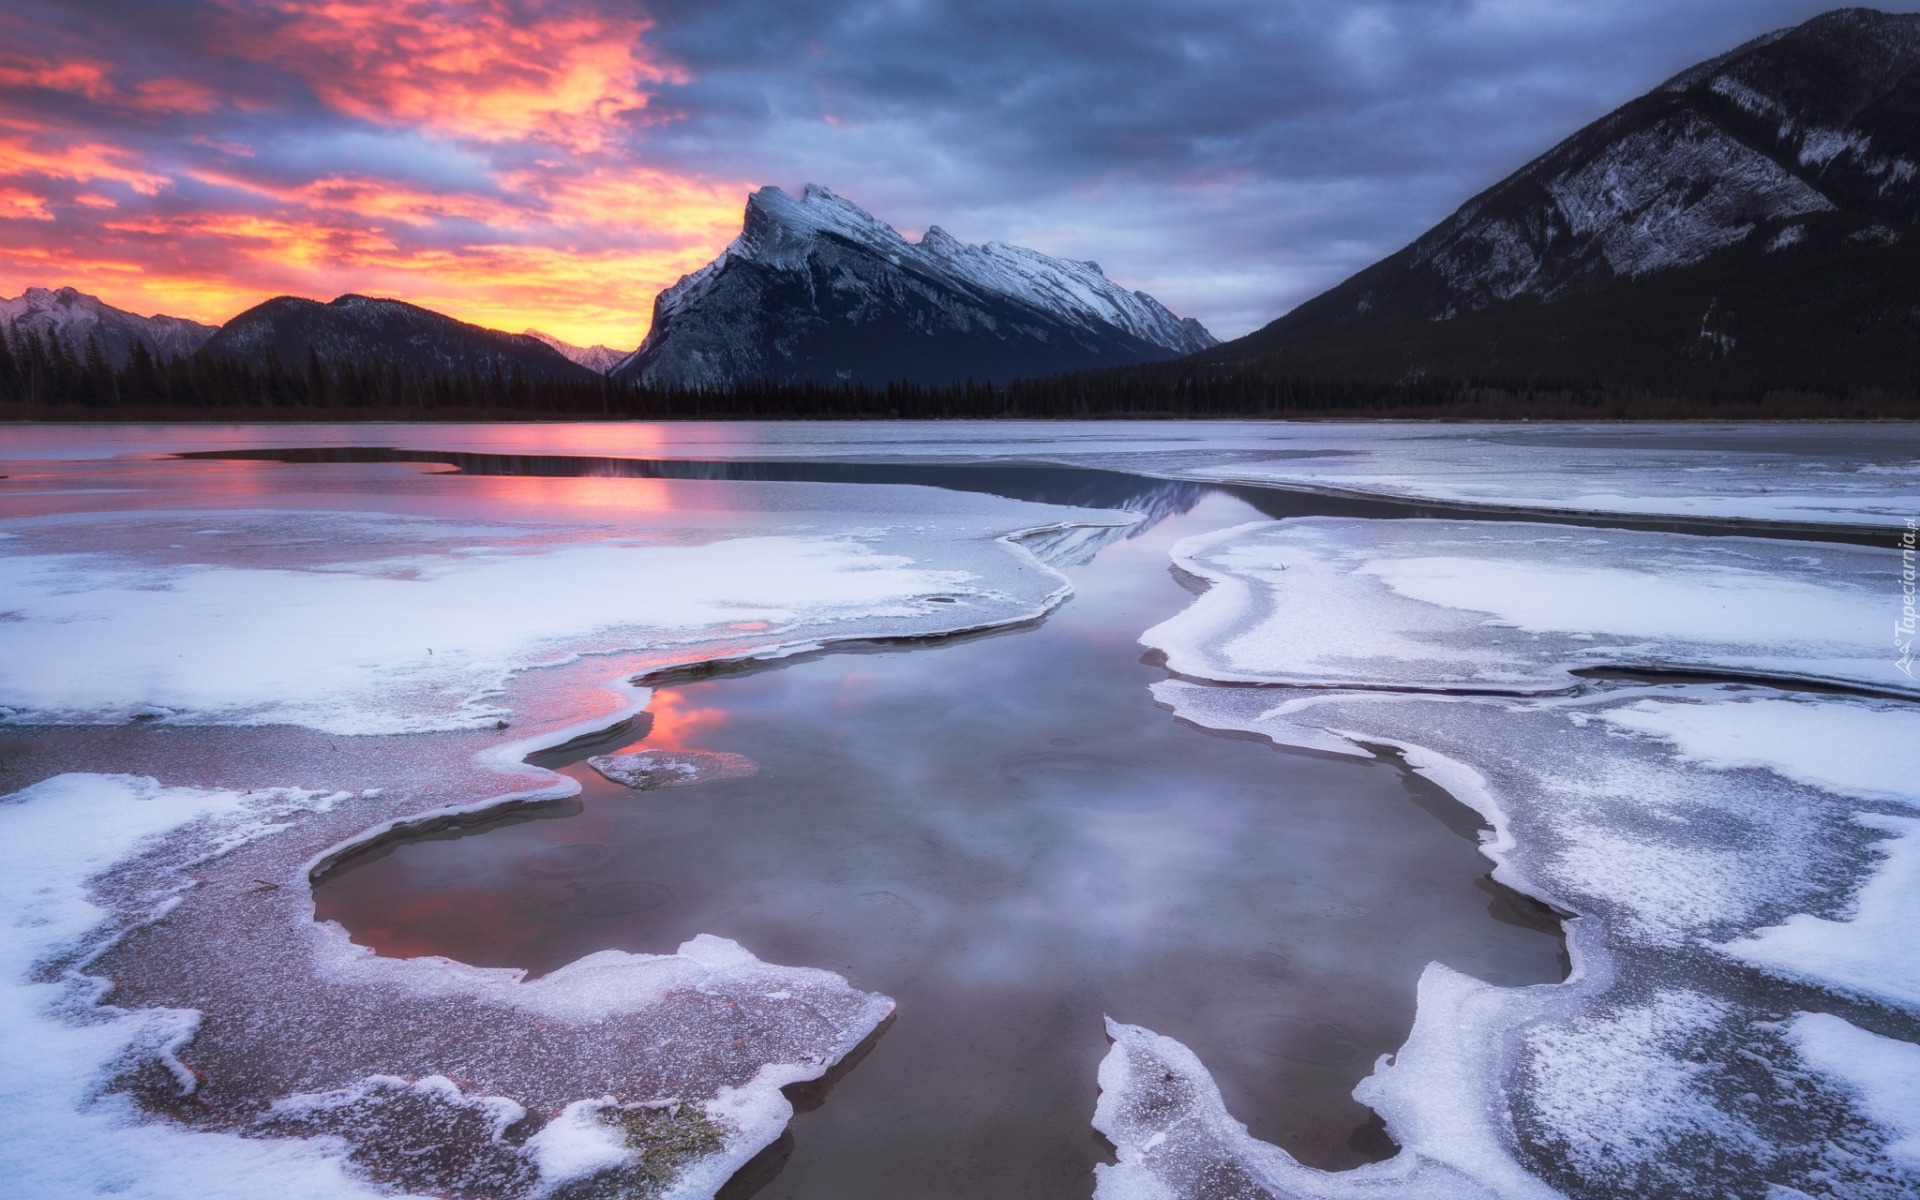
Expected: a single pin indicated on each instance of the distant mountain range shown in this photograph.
(361, 329)
(813, 289)
(595, 358)
(817, 289)
(75, 316)
(1754, 222)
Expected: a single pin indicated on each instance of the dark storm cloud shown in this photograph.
(1309, 138)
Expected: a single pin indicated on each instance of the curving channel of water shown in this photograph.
(1008, 836)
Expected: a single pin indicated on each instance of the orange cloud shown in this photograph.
(23, 153)
(581, 295)
(482, 69)
(532, 209)
(82, 78)
(173, 95)
(17, 204)
(94, 80)
(359, 198)
(616, 197)
(338, 235)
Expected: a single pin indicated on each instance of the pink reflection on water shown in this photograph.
(679, 723)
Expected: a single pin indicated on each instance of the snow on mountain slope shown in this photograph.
(594, 358)
(76, 316)
(816, 288)
(1809, 129)
(1064, 285)
(1657, 198)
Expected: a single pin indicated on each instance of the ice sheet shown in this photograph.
(1664, 859)
(1618, 1096)
(61, 1138)
(86, 858)
(424, 636)
(1473, 606)
(1776, 474)
(1697, 830)
(1630, 1078)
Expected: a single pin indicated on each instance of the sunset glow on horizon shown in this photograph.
(478, 157)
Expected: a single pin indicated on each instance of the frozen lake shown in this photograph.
(1008, 836)
(977, 795)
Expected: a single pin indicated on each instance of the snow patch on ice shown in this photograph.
(1624, 1091)
(1200, 705)
(1439, 1095)
(1873, 951)
(61, 1138)
(1514, 607)
(362, 651)
(577, 1144)
(1882, 1074)
(1870, 751)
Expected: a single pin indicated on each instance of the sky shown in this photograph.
(555, 163)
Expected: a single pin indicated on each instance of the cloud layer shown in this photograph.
(556, 162)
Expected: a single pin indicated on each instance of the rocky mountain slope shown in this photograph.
(75, 316)
(815, 288)
(596, 358)
(1753, 222)
(360, 329)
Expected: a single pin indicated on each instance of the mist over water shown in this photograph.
(1008, 836)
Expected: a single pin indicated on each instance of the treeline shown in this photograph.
(47, 378)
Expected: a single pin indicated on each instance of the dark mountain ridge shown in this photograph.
(1754, 222)
(363, 330)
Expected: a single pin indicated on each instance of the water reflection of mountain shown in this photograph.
(1155, 499)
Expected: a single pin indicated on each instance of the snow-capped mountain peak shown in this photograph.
(74, 316)
(815, 287)
(778, 227)
(594, 358)
(1066, 285)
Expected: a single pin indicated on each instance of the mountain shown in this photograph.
(76, 316)
(596, 358)
(1749, 224)
(817, 289)
(360, 329)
